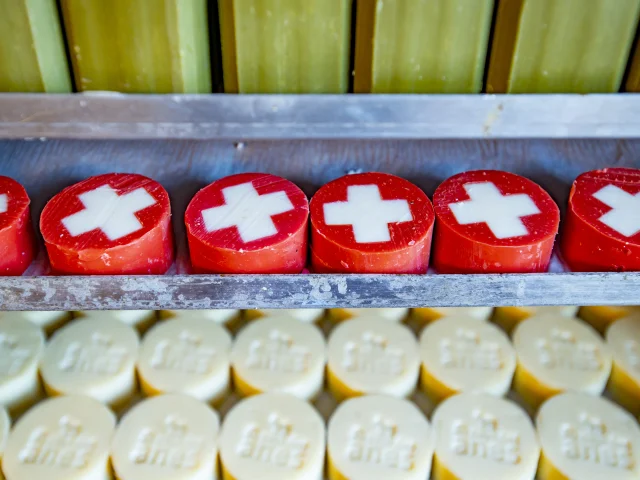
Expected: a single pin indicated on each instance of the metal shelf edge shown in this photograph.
(105, 115)
(321, 291)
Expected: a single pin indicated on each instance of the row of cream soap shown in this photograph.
(365, 355)
(280, 437)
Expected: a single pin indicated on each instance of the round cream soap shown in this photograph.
(557, 354)
(62, 438)
(279, 354)
(600, 317)
(167, 437)
(372, 355)
(509, 317)
(390, 314)
(140, 319)
(587, 437)
(186, 355)
(309, 315)
(272, 436)
(94, 357)
(623, 340)
(21, 347)
(378, 437)
(460, 354)
(482, 436)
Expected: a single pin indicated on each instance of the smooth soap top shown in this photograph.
(623, 340)
(372, 355)
(273, 436)
(482, 433)
(280, 354)
(589, 437)
(378, 437)
(467, 355)
(166, 437)
(62, 438)
(21, 347)
(186, 355)
(563, 353)
(94, 357)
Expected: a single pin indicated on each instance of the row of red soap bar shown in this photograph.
(486, 221)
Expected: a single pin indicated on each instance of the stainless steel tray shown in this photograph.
(48, 142)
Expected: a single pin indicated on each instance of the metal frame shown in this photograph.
(550, 138)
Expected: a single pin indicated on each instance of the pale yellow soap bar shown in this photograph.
(623, 340)
(62, 438)
(168, 437)
(600, 317)
(279, 354)
(377, 437)
(481, 436)
(93, 357)
(460, 354)
(557, 354)
(272, 436)
(370, 355)
(509, 317)
(584, 437)
(391, 314)
(188, 356)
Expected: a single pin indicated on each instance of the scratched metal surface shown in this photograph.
(298, 140)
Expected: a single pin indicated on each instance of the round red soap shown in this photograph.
(17, 244)
(371, 223)
(248, 223)
(118, 223)
(601, 231)
(489, 221)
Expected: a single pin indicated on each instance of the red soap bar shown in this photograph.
(489, 221)
(601, 231)
(248, 223)
(371, 223)
(118, 223)
(17, 243)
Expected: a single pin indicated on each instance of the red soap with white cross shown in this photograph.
(490, 221)
(371, 223)
(248, 223)
(118, 223)
(601, 231)
(17, 243)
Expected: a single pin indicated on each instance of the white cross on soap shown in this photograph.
(112, 213)
(501, 213)
(247, 210)
(4, 203)
(367, 213)
(624, 216)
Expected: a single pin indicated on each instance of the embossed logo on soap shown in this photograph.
(590, 440)
(12, 356)
(467, 350)
(276, 444)
(372, 354)
(66, 446)
(101, 356)
(278, 353)
(563, 350)
(483, 437)
(172, 446)
(186, 354)
(380, 444)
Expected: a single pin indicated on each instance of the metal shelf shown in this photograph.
(50, 141)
